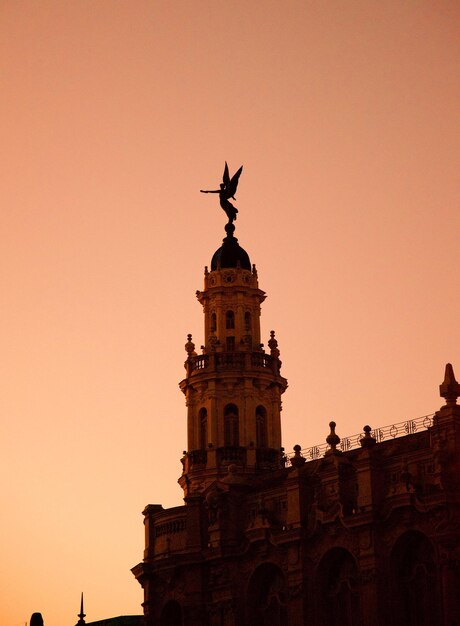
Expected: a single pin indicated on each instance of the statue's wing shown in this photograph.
(226, 176)
(233, 184)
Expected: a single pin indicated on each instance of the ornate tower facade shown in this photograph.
(233, 389)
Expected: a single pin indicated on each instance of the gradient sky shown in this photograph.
(113, 115)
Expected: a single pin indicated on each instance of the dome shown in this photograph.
(230, 254)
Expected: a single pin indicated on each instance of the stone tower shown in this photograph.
(233, 389)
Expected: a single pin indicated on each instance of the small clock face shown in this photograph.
(228, 277)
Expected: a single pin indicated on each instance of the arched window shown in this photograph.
(267, 597)
(337, 589)
(414, 581)
(231, 426)
(247, 322)
(203, 423)
(171, 615)
(213, 322)
(261, 427)
(229, 320)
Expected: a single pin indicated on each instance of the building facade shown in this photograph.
(364, 536)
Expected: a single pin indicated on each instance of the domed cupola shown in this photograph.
(230, 254)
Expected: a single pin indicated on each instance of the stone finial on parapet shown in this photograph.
(297, 460)
(449, 388)
(367, 441)
(332, 439)
(190, 346)
(273, 345)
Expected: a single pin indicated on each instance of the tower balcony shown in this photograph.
(249, 458)
(219, 361)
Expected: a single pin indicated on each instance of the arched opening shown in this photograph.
(231, 426)
(171, 615)
(229, 320)
(414, 581)
(213, 322)
(203, 424)
(247, 322)
(267, 597)
(261, 427)
(337, 589)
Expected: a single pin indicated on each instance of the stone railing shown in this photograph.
(230, 360)
(231, 454)
(197, 458)
(170, 531)
(384, 433)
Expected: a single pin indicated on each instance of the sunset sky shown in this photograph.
(113, 114)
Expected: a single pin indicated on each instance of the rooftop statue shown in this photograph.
(227, 190)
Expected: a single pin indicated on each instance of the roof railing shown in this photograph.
(383, 433)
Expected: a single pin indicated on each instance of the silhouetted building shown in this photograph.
(360, 532)
(122, 620)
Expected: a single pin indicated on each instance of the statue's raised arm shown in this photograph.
(227, 190)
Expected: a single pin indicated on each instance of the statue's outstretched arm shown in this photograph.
(211, 191)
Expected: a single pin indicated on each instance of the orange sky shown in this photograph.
(113, 115)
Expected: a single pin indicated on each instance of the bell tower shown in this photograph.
(233, 389)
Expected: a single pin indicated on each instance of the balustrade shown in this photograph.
(170, 532)
(229, 360)
(197, 458)
(231, 454)
(384, 433)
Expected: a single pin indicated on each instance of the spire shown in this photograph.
(449, 389)
(81, 615)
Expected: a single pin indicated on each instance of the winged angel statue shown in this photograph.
(227, 190)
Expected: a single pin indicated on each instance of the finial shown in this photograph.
(297, 460)
(190, 346)
(449, 389)
(81, 615)
(254, 270)
(273, 345)
(332, 439)
(36, 619)
(367, 441)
